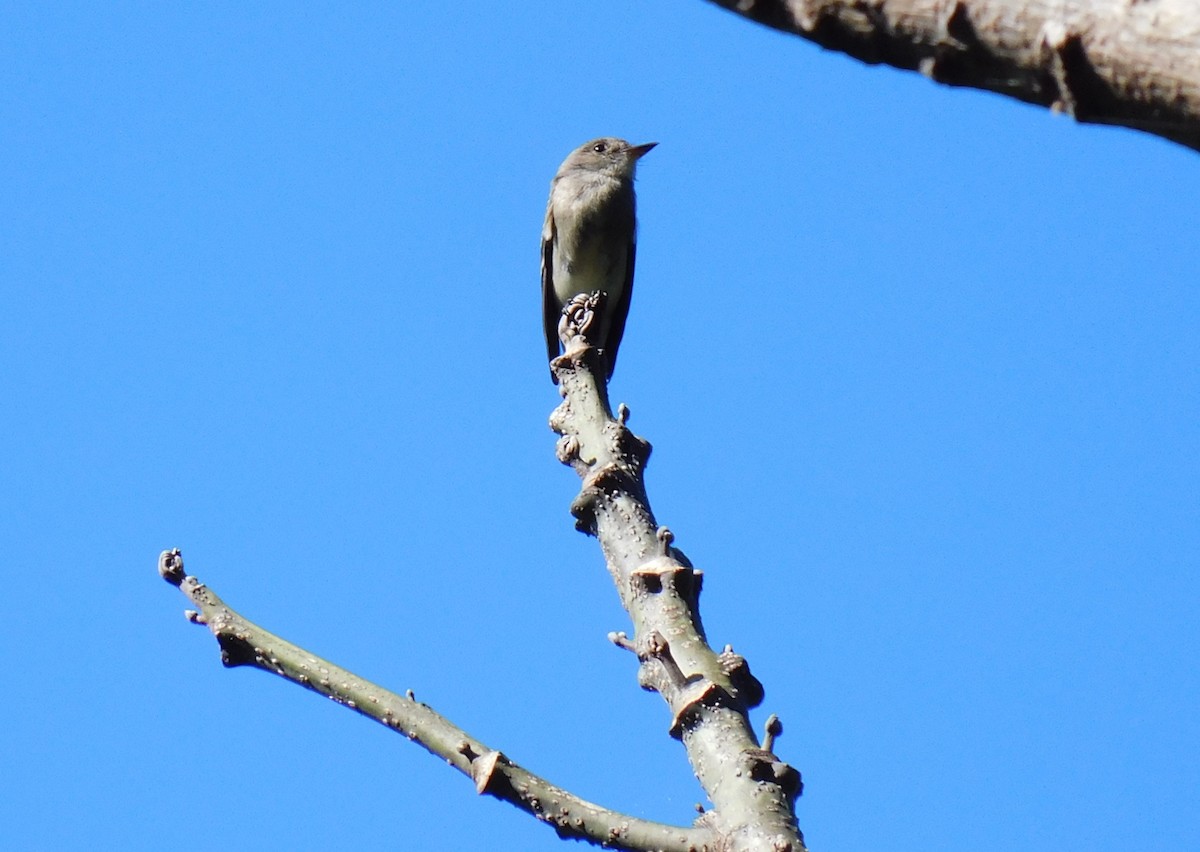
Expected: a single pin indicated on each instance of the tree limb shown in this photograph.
(245, 644)
(709, 695)
(1134, 63)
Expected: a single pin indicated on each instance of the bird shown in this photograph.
(589, 239)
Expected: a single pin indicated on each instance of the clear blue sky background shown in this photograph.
(919, 365)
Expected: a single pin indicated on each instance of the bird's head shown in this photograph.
(608, 156)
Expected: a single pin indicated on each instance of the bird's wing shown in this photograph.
(551, 310)
(617, 327)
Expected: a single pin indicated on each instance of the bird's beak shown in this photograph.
(639, 151)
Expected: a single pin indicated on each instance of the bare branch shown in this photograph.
(245, 644)
(1134, 63)
(709, 695)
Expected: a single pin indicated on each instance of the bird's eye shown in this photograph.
(599, 147)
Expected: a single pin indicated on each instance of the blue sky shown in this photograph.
(919, 366)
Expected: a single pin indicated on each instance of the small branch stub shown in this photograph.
(774, 728)
(762, 765)
(621, 640)
(170, 566)
(483, 769)
(737, 670)
(656, 647)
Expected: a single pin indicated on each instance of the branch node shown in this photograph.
(748, 687)
(688, 702)
(1082, 92)
(583, 508)
(763, 766)
(464, 748)
(1054, 38)
(195, 617)
(235, 650)
(952, 44)
(608, 476)
(656, 647)
(483, 770)
(567, 449)
(956, 25)
(666, 541)
(634, 450)
(665, 573)
(622, 414)
(809, 17)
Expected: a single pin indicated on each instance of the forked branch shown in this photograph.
(709, 694)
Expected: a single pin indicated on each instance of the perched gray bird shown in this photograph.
(589, 238)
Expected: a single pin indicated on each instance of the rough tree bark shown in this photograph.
(1134, 63)
(709, 694)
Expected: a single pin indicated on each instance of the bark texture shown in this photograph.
(1134, 63)
(709, 694)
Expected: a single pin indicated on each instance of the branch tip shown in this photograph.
(621, 639)
(170, 566)
(665, 538)
(774, 728)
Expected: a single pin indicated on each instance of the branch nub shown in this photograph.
(170, 566)
(748, 687)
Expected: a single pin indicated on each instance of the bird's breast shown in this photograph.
(587, 265)
(593, 231)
